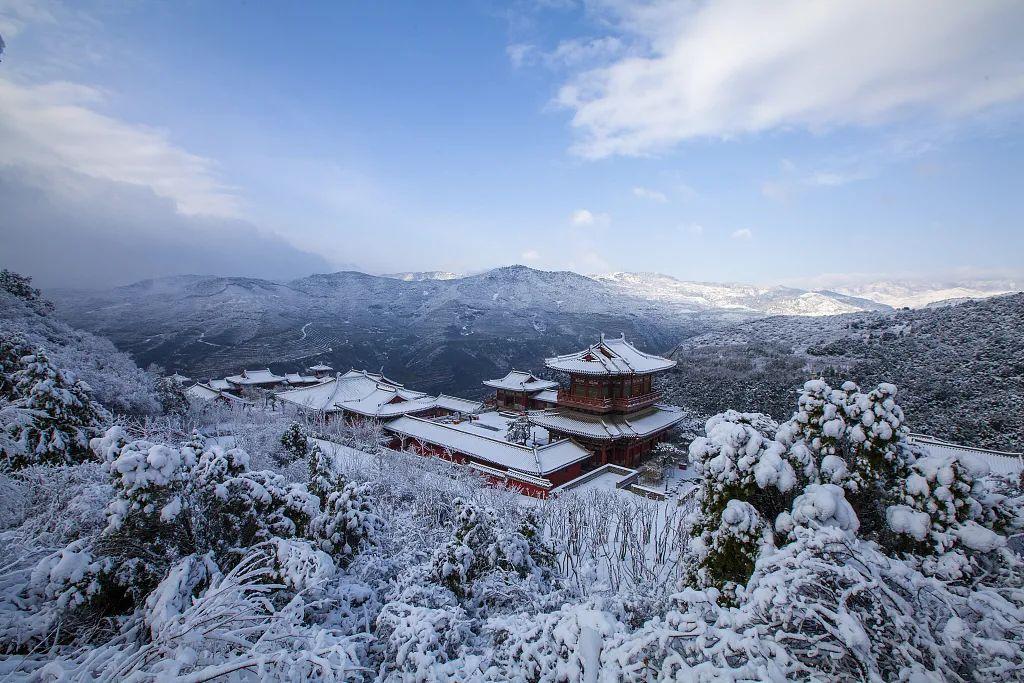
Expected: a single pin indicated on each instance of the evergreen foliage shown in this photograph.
(295, 442)
(63, 415)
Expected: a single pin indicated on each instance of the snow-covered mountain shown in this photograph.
(702, 296)
(437, 334)
(920, 293)
(418, 276)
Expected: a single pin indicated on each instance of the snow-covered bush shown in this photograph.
(949, 514)
(747, 479)
(485, 547)
(819, 505)
(725, 556)
(419, 643)
(170, 504)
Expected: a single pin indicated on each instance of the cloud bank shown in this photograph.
(68, 229)
(733, 67)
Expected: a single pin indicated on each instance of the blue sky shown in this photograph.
(716, 141)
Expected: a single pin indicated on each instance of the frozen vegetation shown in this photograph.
(207, 544)
(960, 368)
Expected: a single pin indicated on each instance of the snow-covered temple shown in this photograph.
(264, 379)
(520, 390)
(359, 394)
(610, 405)
(481, 442)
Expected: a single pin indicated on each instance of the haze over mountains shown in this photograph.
(436, 330)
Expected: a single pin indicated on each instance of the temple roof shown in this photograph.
(371, 395)
(180, 379)
(539, 461)
(609, 427)
(255, 377)
(320, 367)
(220, 384)
(517, 380)
(548, 396)
(206, 392)
(296, 378)
(610, 357)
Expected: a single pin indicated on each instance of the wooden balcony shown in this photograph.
(622, 404)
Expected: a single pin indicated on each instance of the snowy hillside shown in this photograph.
(960, 368)
(697, 296)
(437, 334)
(423, 275)
(917, 294)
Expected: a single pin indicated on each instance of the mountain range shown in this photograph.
(433, 330)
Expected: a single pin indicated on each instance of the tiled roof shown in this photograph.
(610, 357)
(548, 396)
(517, 380)
(252, 377)
(208, 393)
(371, 395)
(538, 461)
(609, 427)
(999, 462)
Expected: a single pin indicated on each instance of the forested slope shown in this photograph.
(960, 369)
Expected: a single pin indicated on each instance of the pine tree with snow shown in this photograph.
(295, 442)
(878, 455)
(483, 548)
(348, 522)
(195, 441)
(323, 480)
(13, 348)
(172, 397)
(64, 416)
(519, 430)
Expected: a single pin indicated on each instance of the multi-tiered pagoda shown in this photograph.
(611, 406)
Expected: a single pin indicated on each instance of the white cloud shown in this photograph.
(583, 51)
(694, 229)
(520, 54)
(585, 217)
(530, 255)
(575, 52)
(742, 234)
(731, 67)
(56, 125)
(647, 193)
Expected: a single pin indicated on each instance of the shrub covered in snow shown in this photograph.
(177, 519)
(949, 513)
(483, 546)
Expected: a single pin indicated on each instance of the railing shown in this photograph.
(607, 404)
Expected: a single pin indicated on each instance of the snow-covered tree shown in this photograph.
(482, 546)
(347, 523)
(178, 516)
(13, 348)
(64, 417)
(322, 478)
(951, 518)
(519, 430)
(21, 287)
(295, 442)
(172, 397)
